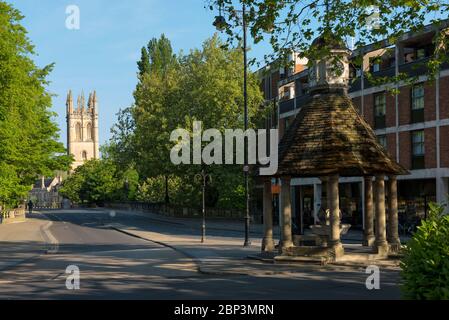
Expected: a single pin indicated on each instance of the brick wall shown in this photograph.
(281, 128)
(444, 98)
(404, 105)
(390, 116)
(391, 144)
(429, 101)
(357, 104)
(430, 148)
(368, 111)
(274, 84)
(405, 151)
(444, 146)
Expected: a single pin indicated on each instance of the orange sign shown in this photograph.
(275, 189)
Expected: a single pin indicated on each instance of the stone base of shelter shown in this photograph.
(320, 254)
(339, 254)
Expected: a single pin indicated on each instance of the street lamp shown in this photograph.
(220, 23)
(203, 176)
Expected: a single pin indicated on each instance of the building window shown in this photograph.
(84, 155)
(380, 106)
(418, 103)
(418, 149)
(382, 141)
(89, 131)
(287, 123)
(78, 135)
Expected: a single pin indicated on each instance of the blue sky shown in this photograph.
(102, 54)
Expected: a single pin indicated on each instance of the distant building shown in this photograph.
(413, 125)
(45, 193)
(82, 129)
(82, 143)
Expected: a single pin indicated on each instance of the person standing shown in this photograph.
(30, 206)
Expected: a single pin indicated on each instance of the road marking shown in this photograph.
(51, 239)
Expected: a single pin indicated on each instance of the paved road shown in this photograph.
(114, 265)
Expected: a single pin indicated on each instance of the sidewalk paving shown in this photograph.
(20, 242)
(353, 236)
(221, 255)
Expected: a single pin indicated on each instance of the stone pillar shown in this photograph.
(316, 201)
(334, 207)
(381, 244)
(368, 233)
(267, 242)
(442, 187)
(286, 214)
(392, 227)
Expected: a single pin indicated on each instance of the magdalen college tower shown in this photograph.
(82, 128)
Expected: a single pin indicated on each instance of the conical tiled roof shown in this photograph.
(328, 136)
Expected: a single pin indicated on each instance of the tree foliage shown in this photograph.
(99, 181)
(28, 135)
(292, 25)
(174, 91)
(425, 266)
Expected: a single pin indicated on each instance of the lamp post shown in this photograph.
(203, 176)
(220, 23)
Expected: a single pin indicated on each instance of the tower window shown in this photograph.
(84, 155)
(89, 131)
(78, 136)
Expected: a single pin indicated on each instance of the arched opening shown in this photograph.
(78, 136)
(89, 131)
(84, 155)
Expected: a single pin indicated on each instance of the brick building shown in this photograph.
(413, 124)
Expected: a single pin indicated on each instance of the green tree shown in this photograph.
(29, 136)
(204, 85)
(425, 265)
(292, 25)
(94, 182)
(154, 103)
(121, 147)
(211, 92)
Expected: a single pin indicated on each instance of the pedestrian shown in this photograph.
(30, 206)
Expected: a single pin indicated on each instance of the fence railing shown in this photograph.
(178, 211)
(12, 214)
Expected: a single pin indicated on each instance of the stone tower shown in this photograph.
(82, 128)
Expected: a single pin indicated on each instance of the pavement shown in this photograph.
(23, 241)
(220, 255)
(129, 255)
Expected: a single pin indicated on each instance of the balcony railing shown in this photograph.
(415, 68)
(286, 105)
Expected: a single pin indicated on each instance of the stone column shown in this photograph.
(334, 207)
(267, 242)
(381, 244)
(316, 201)
(392, 228)
(368, 233)
(286, 211)
(442, 186)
